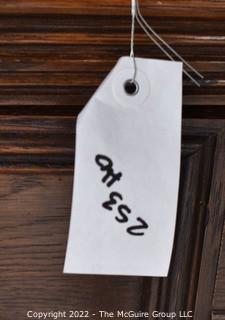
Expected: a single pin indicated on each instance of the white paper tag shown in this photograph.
(127, 167)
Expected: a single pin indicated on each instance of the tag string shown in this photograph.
(133, 16)
(158, 41)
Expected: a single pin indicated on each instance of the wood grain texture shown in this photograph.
(36, 143)
(34, 227)
(35, 218)
(191, 281)
(181, 8)
(219, 297)
(213, 227)
(218, 316)
(56, 53)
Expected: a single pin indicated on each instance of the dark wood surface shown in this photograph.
(219, 298)
(36, 200)
(53, 55)
(217, 316)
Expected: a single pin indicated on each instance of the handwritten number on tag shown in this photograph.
(143, 225)
(123, 211)
(112, 201)
(110, 177)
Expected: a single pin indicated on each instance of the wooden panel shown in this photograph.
(36, 143)
(213, 225)
(35, 217)
(34, 226)
(219, 296)
(57, 53)
(191, 281)
(218, 316)
(181, 8)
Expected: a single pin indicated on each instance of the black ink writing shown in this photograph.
(123, 210)
(106, 165)
(142, 225)
(112, 200)
(115, 198)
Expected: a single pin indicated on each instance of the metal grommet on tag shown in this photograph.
(129, 92)
(131, 87)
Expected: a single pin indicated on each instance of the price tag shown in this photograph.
(127, 165)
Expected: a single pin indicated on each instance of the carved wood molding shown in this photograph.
(191, 281)
(218, 315)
